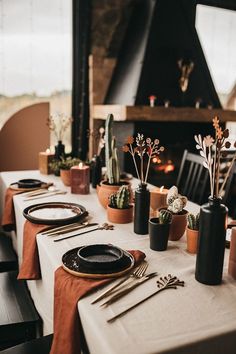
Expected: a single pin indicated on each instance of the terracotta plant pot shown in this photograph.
(65, 177)
(178, 226)
(104, 190)
(120, 216)
(192, 240)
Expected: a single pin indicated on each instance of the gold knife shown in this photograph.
(128, 289)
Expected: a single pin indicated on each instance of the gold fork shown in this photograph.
(137, 273)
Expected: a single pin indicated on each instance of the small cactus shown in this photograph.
(165, 217)
(193, 221)
(120, 200)
(176, 202)
(112, 163)
(112, 201)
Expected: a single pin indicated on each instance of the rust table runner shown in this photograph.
(68, 290)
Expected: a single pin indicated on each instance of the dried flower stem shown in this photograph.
(227, 174)
(133, 156)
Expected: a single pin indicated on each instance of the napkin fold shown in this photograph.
(68, 290)
(8, 218)
(30, 267)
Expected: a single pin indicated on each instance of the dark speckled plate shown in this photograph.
(71, 263)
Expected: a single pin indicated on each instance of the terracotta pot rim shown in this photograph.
(192, 229)
(106, 183)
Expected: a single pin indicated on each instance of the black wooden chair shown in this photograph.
(19, 320)
(40, 345)
(192, 180)
(229, 198)
(8, 259)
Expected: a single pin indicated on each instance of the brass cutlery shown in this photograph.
(135, 274)
(53, 229)
(164, 283)
(104, 226)
(80, 227)
(70, 229)
(128, 289)
(48, 194)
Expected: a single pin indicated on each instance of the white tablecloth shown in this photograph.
(193, 319)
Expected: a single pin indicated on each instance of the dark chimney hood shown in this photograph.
(159, 34)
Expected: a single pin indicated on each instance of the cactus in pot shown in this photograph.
(119, 209)
(120, 200)
(112, 163)
(192, 232)
(165, 217)
(193, 221)
(176, 203)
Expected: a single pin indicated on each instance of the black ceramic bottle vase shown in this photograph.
(211, 243)
(141, 209)
(96, 171)
(59, 150)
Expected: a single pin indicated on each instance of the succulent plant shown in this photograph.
(120, 200)
(165, 217)
(176, 202)
(112, 163)
(193, 221)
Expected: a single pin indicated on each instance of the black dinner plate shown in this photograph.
(55, 213)
(29, 183)
(71, 263)
(100, 256)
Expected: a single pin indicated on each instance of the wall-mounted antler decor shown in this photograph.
(186, 70)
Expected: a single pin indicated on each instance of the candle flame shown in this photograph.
(81, 165)
(48, 151)
(161, 189)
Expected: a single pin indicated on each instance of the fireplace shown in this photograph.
(175, 137)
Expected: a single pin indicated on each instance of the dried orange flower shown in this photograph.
(215, 122)
(125, 148)
(129, 140)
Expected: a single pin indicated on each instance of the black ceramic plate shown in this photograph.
(55, 213)
(29, 183)
(71, 264)
(100, 256)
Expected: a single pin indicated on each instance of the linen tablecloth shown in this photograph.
(193, 319)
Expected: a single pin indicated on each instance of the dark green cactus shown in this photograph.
(112, 163)
(165, 217)
(120, 200)
(112, 201)
(193, 221)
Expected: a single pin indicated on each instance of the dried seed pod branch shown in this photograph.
(205, 147)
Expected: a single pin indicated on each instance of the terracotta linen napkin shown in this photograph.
(30, 267)
(68, 290)
(8, 218)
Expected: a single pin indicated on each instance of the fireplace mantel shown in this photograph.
(161, 114)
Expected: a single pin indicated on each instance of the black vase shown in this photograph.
(59, 150)
(141, 209)
(211, 243)
(96, 171)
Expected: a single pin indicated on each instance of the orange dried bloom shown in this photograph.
(129, 140)
(219, 133)
(215, 122)
(125, 148)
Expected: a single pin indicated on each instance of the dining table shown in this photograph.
(193, 319)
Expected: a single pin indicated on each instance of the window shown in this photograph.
(35, 56)
(217, 32)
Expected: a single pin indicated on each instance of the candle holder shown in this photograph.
(158, 199)
(80, 179)
(45, 158)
